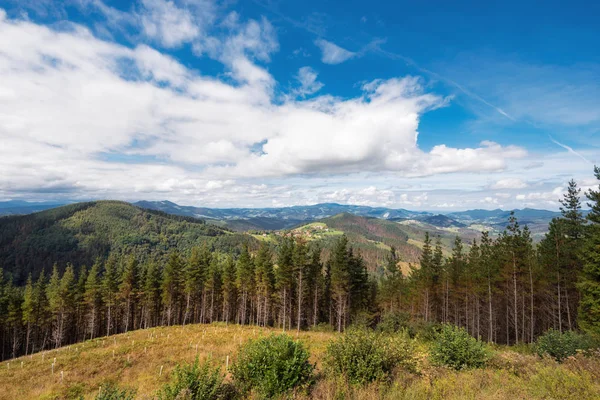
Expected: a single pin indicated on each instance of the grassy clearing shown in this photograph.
(139, 356)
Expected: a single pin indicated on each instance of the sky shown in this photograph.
(435, 105)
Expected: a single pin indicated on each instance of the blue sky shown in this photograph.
(420, 105)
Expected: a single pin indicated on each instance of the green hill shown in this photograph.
(372, 237)
(79, 233)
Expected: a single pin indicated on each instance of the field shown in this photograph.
(144, 360)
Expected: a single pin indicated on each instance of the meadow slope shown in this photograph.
(144, 360)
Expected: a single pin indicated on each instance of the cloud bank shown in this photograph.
(86, 116)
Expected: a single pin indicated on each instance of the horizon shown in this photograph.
(263, 105)
(430, 211)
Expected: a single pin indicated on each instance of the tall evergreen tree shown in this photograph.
(110, 288)
(172, 288)
(589, 285)
(92, 299)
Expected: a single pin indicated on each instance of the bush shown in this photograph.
(455, 348)
(110, 391)
(194, 382)
(562, 345)
(272, 366)
(362, 356)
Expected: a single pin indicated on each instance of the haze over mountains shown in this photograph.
(288, 217)
(276, 218)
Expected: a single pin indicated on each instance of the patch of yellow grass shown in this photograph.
(137, 360)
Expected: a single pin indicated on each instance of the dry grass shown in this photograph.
(138, 357)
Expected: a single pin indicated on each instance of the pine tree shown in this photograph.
(456, 266)
(92, 298)
(284, 279)
(172, 287)
(60, 299)
(41, 311)
(195, 274)
(129, 291)
(14, 316)
(213, 287)
(300, 267)
(110, 288)
(589, 285)
(245, 283)
(27, 311)
(151, 294)
(424, 274)
(264, 279)
(229, 288)
(340, 281)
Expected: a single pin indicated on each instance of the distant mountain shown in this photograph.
(20, 207)
(278, 218)
(442, 221)
(501, 216)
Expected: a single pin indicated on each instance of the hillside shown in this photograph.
(144, 360)
(79, 233)
(371, 237)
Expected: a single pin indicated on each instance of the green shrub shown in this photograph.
(562, 345)
(110, 391)
(362, 356)
(194, 382)
(271, 366)
(455, 348)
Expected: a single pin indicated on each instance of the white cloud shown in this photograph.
(88, 117)
(332, 53)
(307, 77)
(509, 183)
(168, 24)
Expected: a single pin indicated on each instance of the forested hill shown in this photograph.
(374, 237)
(79, 233)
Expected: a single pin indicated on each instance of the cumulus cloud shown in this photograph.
(331, 53)
(90, 117)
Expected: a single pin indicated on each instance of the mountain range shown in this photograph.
(287, 217)
(277, 218)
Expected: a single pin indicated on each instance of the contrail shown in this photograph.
(374, 47)
(570, 150)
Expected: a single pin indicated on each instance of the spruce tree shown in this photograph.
(589, 285)
(128, 291)
(110, 288)
(92, 298)
(172, 287)
(28, 311)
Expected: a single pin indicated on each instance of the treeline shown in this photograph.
(119, 295)
(506, 290)
(503, 289)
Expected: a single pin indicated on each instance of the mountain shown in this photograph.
(81, 232)
(277, 218)
(20, 207)
(442, 221)
(501, 216)
(245, 219)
